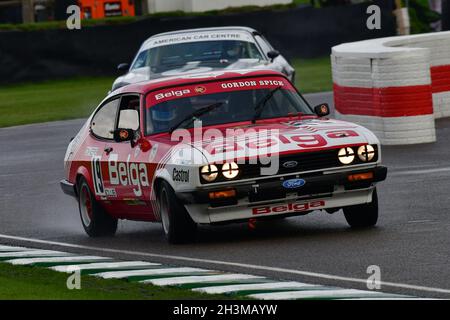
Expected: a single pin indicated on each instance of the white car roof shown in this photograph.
(200, 34)
(248, 29)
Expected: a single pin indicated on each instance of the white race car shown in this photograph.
(202, 50)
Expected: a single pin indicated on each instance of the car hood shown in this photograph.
(146, 73)
(234, 142)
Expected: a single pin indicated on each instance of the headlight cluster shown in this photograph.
(209, 173)
(229, 170)
(365, 153)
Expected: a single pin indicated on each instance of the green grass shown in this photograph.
(31, 283)
(52, 100)
(313, 75)
(76, 98)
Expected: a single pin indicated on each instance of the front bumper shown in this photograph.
(68, 188)
(268, 196)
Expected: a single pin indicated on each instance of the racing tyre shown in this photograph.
(363, 215)
(177, 224)
(95, 220)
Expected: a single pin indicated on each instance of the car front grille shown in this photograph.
(305, 161)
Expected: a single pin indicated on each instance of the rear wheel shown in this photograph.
(96, 222)
(363, 215)
(177, 224)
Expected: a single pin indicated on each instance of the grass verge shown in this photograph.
(313, 75)
(51, 100)
(33, 283)
(76, 98)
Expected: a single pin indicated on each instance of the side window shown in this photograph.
(141, 60)
(251, 51)
(129, 112)
(263, 44)
(104, 120)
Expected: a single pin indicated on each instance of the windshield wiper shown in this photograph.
(261, 104)
(197, 113)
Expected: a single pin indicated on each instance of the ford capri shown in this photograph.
(218, 147)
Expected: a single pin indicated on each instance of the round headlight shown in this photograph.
(366, 153)
(346, 155)
(230, 170)
(209, 172)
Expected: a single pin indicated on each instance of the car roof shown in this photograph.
(170, 33)
(167, 82)
(240, 28)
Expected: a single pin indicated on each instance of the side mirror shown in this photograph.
(322, 110)
(273, 54)
(123, 66)
(122, 135)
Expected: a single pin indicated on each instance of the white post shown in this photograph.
(27, 11)
(402, 17)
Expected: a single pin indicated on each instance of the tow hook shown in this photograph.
(252, 224)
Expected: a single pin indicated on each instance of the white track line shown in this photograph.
(232, 264)
(314, 294)
(200, 279)
(255, 286)
(9, 248)
(104, 266)
(419, 171)
(148, 272)
(78, 259)
(393, 298)
(33, 253)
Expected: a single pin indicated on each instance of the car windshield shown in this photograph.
(164, 58)
(236, 101)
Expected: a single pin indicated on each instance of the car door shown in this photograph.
(127, 173)
(101, 133)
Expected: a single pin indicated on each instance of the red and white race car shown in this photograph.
(215, 148)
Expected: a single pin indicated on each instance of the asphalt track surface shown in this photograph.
(411, 243)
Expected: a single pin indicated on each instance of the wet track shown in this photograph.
(411, 244)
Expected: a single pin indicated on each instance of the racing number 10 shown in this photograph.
(97, 175)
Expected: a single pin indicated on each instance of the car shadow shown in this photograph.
(284, 230)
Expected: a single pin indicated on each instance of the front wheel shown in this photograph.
(363, 215)
(96, 222)
(177, 224)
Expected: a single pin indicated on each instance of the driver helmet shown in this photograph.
(234, 50)
(162, 117)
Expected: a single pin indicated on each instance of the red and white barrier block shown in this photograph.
(394, 86)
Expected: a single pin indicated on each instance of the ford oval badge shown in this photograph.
(290, 164)
(294, 183)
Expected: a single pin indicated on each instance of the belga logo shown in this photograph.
(172, 93)
(128, 174)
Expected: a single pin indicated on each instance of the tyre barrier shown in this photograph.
(394, 86)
